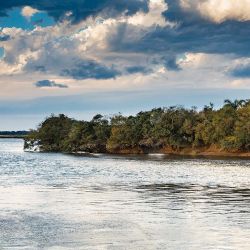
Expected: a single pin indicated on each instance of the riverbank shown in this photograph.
(173, 130)
(194, 152)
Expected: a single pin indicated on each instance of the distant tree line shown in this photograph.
(15, 134)
(227, 128)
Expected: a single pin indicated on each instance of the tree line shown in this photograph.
(176, 127)
(13, 134)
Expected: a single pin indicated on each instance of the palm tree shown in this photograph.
(247, 102)
(209, 107)
(235, 104)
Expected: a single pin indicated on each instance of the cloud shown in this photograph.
(190, 34)
(133, 46)
(241, 71)
(49, 84)
(157, 47)
(4, 38)
(152, 17)
(77, 10)
(219, 11)
(28, 11)
(171, 64)
(90, 69)
(69, 50)
(138, 69)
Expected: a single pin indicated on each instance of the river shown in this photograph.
(59, 201)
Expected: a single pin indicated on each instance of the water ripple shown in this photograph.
(56, 201)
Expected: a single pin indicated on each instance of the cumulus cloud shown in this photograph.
(191, 34)
(152, 17)
(28, 11)
(219, 11)
(79, 51)
(49, 84)
(149, 41)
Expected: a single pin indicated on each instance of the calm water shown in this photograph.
(55, 201)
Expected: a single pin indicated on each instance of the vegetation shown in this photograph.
(13, 134)
(175, 128)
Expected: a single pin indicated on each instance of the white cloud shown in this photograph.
(153, 17)
(219, 10)
(58, 47)
(28, 12)
(240, 83)
(97, 32)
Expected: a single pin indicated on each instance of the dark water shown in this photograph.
(55, 201)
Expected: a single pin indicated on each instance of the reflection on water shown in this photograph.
(55, 201)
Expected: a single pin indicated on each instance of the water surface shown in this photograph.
(56, 201)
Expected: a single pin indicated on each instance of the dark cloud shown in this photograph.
(39, 68)
(241, 71)
(80, 9)
(192, 33)
(229, 37)
(48, 83)
(175, 13)
(170, 64)
(90, 69)
(138, 69)
(4, 38)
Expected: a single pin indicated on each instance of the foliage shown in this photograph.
(227, 128)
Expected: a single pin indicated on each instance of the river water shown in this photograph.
(57, 201)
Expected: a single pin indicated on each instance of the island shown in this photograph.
(171, 130)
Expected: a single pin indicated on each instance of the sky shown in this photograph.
(83, 57)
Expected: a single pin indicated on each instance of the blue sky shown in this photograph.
(83, 57)
(14, 18)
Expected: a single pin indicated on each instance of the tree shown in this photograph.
(235, 104)
(227, 128)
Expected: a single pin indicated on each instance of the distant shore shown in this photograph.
(12, 136)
